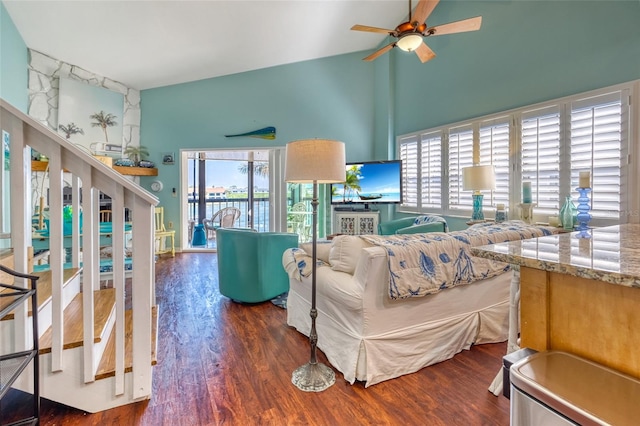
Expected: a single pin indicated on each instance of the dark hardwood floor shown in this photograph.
(221, 363)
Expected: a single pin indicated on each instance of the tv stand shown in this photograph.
(355, 222)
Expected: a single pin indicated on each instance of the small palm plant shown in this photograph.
(103, 120)
(70, 129)
(136, 153)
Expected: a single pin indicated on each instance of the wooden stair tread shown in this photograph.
(107, 365)
(103, 302)
(44, 287)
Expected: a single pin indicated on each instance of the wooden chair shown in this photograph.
(223, 218)
(105, 216)
(161, 235)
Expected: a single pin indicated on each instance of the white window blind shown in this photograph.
(431, 170)
(547, 144)
(410, 171)
(460, 156)
(540, 156)
(596, 146)
(494, 149)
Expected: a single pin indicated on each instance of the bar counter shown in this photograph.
(579, 295)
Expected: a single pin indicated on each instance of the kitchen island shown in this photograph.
(579, 295)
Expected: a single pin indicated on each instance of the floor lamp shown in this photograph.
(314, 161)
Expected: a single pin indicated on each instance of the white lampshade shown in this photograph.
(315, 160)
(410, 42)
(478, 178)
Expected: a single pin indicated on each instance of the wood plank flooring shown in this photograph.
(221, 363)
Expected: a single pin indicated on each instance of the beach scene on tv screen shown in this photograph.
(369, 183)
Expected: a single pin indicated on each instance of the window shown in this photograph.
(431, 159)
(494, 149)
(597, 146)
(426, 156)
(460, 156)
(547, 144)
(540, 157)
(410, 169)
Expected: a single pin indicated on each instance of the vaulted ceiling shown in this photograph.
(153, 43)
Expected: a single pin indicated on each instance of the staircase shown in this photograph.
(95, 352)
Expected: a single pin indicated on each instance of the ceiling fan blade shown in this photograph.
(423, 10)
(371, 29)
(471, 24)
(424, 53)
(379, 52)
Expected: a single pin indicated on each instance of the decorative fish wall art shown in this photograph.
(265, 133)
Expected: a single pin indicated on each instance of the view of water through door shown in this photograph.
(221, 181)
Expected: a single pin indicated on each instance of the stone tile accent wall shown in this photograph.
(44, 82)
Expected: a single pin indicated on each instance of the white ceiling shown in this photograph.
(152, 43)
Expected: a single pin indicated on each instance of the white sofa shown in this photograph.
(370, 337)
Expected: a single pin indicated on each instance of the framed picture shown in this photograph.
(168, 158)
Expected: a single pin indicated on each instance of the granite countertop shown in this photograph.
(612, 254)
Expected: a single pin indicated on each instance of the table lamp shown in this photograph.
(478, 178)
(314, 161)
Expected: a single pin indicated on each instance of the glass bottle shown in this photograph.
(567, 214)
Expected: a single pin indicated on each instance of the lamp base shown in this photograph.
(313, 377)
(477, 215)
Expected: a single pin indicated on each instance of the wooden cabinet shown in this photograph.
(355, 222)
(593, 319)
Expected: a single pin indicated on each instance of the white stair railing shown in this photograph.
(68, 161)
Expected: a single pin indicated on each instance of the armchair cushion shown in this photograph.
(250, 263)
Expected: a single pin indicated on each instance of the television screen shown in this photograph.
(370, 183)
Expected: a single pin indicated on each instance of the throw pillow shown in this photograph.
(345, 252)
(322, 249)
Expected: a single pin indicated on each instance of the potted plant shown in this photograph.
(136, 153)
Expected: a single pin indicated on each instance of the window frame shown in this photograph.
(629, 164)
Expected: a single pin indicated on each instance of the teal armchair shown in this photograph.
(250, 263)
(413, 225)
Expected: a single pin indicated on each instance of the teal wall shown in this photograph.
(13, 63)
(325, 98)
(526, 52)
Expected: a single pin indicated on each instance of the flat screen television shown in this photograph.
(373, 182)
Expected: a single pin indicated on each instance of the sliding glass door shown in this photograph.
(220, 179)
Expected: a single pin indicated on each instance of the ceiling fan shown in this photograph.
(410, 34)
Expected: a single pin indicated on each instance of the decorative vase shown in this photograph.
(567, 214)
(199, 238)
(583, 217)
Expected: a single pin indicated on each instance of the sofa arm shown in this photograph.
(421, 229)
(390, 227)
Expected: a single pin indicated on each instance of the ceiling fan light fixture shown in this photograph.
(409, 42)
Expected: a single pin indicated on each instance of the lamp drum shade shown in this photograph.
(315, 160)
(478, 178)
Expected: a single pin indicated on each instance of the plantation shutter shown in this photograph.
(596, 145)
(410, 171)
(494, 149)
(540, 155)
(431, 170)
(460, 156)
